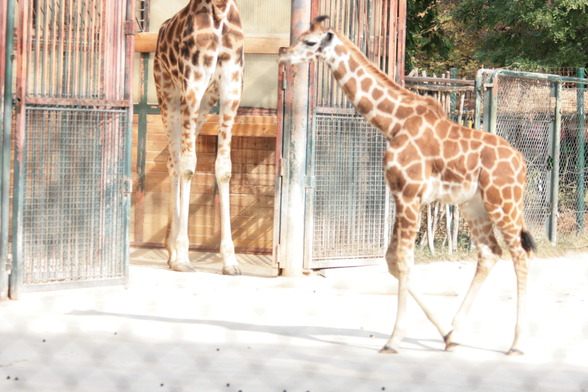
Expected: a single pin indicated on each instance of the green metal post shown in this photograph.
(492, 104)
(453, 96)
(581, 151)
(479, 91)
(5, 153)
(554, 197)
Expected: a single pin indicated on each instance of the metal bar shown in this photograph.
(94, 103)
(464, 82)
(401, 36)
(580, 207)
(15, 281)
(128, 95)
(536, 76)
(282, 86)
(392, 38)
(7, 23)
(493, 104)
(309, 190)
(554, 190)
(141, 148)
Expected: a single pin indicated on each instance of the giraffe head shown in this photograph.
(313, 44)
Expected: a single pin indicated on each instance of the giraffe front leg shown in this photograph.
(400, 258)
(177, 240)
(223, 177)
(223, 171)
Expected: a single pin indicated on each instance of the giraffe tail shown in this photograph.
(528, 242)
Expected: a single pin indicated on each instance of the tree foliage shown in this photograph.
(524, 34)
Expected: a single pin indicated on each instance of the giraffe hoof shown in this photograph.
(232, 270)
(388, 350)
(514, 352)
(449, 345)
(181, 267)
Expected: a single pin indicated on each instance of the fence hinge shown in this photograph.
(130, 27)
(127, 186)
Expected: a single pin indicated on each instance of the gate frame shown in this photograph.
(15, 284)
(486, 86)
(6, 54)
(292, 243)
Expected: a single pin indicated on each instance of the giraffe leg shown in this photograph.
(488, 254)
(230, 93)
(170, 102)
(400, 258)
(512, 236)
(521, 265)
(182, 147)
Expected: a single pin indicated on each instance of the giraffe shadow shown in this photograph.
(308, 332)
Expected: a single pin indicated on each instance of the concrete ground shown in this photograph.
(169, 331)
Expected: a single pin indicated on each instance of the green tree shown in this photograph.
(437, 40)
(427, 46)
(527, 34)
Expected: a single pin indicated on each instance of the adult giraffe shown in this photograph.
(428, 158)
(198, 62)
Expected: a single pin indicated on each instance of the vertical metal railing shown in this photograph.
(6, 78)
(581, 150)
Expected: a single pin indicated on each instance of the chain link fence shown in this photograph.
(543, 116)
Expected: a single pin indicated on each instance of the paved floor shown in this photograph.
(202, 331)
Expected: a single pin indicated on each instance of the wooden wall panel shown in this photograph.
(252, 187)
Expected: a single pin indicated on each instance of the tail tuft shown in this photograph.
(527, 241)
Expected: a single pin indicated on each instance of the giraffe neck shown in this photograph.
(376, 97)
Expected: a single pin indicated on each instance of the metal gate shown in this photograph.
(72, 143)
(543, 116)
(348, 207)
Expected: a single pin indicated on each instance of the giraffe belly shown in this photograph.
(449, 192)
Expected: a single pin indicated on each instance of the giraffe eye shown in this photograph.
(310, 43)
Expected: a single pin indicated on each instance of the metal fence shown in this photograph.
(71, 144)
(350, 209)
(73, 195)
(543, 116)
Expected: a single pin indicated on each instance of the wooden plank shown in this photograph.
(146, 42)
(245, 125)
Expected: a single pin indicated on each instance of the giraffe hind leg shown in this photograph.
(489, 252)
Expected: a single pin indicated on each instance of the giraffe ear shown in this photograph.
(317, 22)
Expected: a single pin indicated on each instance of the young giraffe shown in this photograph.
(198, 61)
(429, 158)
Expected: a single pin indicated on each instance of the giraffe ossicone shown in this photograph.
(430, 158)
(198, 62)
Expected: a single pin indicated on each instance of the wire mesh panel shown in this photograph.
(528, 127)
(572, 160)
(72, 208)
(351, 207)
(543, 116)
